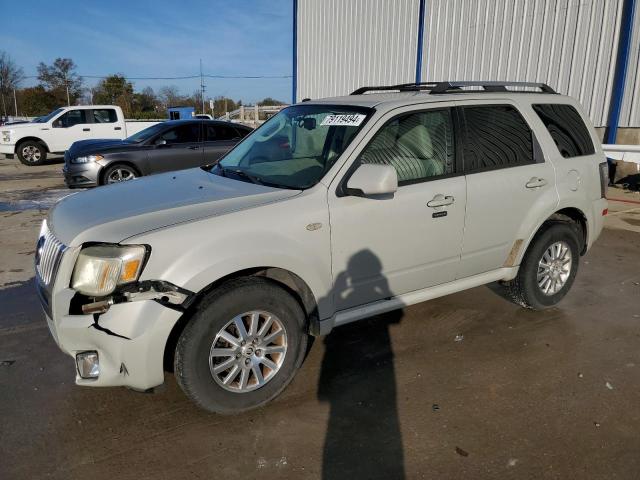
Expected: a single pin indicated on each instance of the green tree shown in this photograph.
(36, 101)
(115, 90)
(61, 79)
(11, 76)
(270, 102)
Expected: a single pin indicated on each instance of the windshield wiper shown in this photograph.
(240, 173)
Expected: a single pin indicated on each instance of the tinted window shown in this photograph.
(496, 137)
(566, 128)
(105, 115)
(220, 132)
(418, 145)
(242, 131)
(189, 133)
(71, 118)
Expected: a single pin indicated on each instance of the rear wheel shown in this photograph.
(548, 268)
(31, 152)
(242, 347)
(119, 173)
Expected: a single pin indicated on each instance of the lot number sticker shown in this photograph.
(343, 120)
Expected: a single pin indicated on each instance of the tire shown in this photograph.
(123, 171)
(529, 289)
(194, 366)
(31, 153)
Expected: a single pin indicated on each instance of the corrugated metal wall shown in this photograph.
(630, 114)
(345, 44)
(569, 44)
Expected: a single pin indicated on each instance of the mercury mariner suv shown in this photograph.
(332, 211)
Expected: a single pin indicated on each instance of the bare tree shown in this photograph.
(61, 79)
(11, 76)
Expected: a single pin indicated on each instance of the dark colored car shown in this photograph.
(166, 146)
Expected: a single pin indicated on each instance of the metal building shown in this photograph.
(589, 49)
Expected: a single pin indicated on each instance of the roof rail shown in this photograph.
(455, 87)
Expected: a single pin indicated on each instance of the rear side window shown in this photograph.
(220, 132)
(496, 137)
(567, 129)
(104, 115)
(418, 145)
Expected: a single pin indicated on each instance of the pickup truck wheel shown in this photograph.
(548, 268)
(31, 153)
(242, 347)
(119, 173)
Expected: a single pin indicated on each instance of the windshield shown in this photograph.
(48, 117)
(145, 134)
(296, 147)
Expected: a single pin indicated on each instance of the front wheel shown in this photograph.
(242, 347)
(548, 268)
(31, 153)
(119, 173)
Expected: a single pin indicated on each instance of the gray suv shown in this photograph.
(332, 211)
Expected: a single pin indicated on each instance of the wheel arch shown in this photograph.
(128, 163)
(286, 279)
(33, 139)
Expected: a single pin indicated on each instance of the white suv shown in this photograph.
(332, 211)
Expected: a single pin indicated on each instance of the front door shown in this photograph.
(68, 128)
(383, 247)
(177, 148)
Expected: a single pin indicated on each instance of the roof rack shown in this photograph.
(456, 87)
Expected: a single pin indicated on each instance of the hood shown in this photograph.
(115, 212)
(87, 147)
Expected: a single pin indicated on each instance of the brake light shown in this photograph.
(604, 178)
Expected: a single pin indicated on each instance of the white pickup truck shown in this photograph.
(55, 132)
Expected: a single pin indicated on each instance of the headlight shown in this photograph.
(87, 159)
(6, 136)
(100, 269)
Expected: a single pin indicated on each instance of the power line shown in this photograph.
(188, 77)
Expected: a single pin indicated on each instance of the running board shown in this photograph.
(418, 296)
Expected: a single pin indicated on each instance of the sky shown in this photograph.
(159, 39)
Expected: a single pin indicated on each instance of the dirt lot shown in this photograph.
(466, 386)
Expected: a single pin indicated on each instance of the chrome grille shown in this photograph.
(49, 251)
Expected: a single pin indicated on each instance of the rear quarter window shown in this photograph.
(567, 129)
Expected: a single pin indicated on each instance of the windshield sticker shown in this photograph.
(343, 120)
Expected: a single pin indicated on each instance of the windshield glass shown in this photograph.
(48, 117)
(145, 134)
(296, 147)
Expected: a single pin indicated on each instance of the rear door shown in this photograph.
(177, 148)
(68, 128)
(510, 186)
(218, 140)
(105, 123)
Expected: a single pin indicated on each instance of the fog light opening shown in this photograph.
(88, 365)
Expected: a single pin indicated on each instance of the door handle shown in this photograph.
(117, 128)
(193, 147)
(440, 201)
(536, 182)
(86, 129)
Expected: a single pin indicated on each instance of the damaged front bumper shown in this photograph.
(128, 330)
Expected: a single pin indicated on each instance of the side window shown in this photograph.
(567, 129)
(105, 115)
(243, 131)
(189, 133)
(418, 145)
(71, 118)
(496, 137)
(223, 132)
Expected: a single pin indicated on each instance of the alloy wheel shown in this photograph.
(31, 153)
(120, 174)
(554, 268)
(248, 351)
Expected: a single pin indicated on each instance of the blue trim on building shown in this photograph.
(420, 42)
(620, 75)
(294, 76)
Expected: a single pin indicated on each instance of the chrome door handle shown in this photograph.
(536, 182)
(440, 201)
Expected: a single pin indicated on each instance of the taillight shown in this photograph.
(604, 178)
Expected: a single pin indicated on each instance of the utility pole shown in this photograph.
(202, 88)
(15, 102)
(66, 84)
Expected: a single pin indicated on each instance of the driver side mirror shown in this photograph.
(370, 179)
(161, 143)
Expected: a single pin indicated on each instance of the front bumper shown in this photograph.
(81, 174)
(130, 342)
(7, 149)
